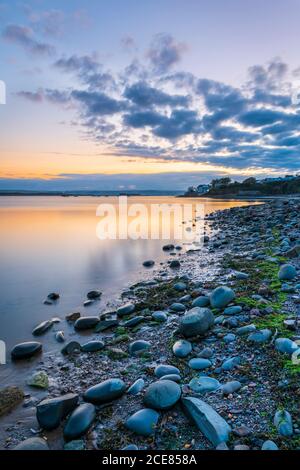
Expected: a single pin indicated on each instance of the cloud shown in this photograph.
(24, 36)
(80, 64)
(98, 104)
(261, 117)
(88, 70)
(49, 23)
(269, 76)
(142, 119)
(146, 96)
(35, 97)
(176, 116)
(221, 100)
(128, 43)
(180, 123)
(165, 52)
(51, 95)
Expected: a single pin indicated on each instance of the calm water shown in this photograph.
(50, 244)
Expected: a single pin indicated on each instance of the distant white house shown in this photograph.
(203, 188)
(280, 178)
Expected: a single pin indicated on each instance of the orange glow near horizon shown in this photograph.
(51, 165)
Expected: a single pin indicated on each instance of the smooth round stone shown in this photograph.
(94, 294)
(269, 445)
(86, 323)
(125, 310)
(287, 272)
(165, 369)
(60, 336)
(133, 322)
(168, 247)
(234, 310)
(143, 422)
(148, 263)
(286, 345)
(204, 384)
(182, 348)
(162, 395)
(201, 301)
(136, 387)
(221, 296)
(80, 421)
(232, 322)
(198, 363)
(196, 321)
(260, 336)
(231, 363)
(104, 392)
(92, 346)
(130, 447)
(175, 263)
(180, 286)
(160, 316)
(33, 443)
(245, 330)
(185, 299)
(231, 387)
(42, 328)
(240, 275)
(206, 353)
(70, 348)
(26, 350)
(229, 338)
(287, 289)
(53, 296)
(174, 377)
(139, 346)
(72, 316)
(177, 307)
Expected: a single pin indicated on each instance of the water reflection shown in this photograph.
(50, 244)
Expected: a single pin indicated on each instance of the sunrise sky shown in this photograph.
(131, 94)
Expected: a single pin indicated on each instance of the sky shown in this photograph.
(130, 94)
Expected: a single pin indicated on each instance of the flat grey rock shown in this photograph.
(207, 420)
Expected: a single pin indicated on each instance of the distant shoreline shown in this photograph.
(89, 194)
(244, 198)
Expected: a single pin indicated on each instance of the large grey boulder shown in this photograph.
(196, 321)
(80, 421)
(26, 350)
(52, 411)
(162, 395)
(86, 323)
(32, 443)
(143, 422)
(286, 345)
(221, 297)
(207, 420)
(104, 392)
(287, 272)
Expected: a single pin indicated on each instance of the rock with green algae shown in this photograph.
(39, 380)
(10, 397)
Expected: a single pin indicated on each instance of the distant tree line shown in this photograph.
(268, 186)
